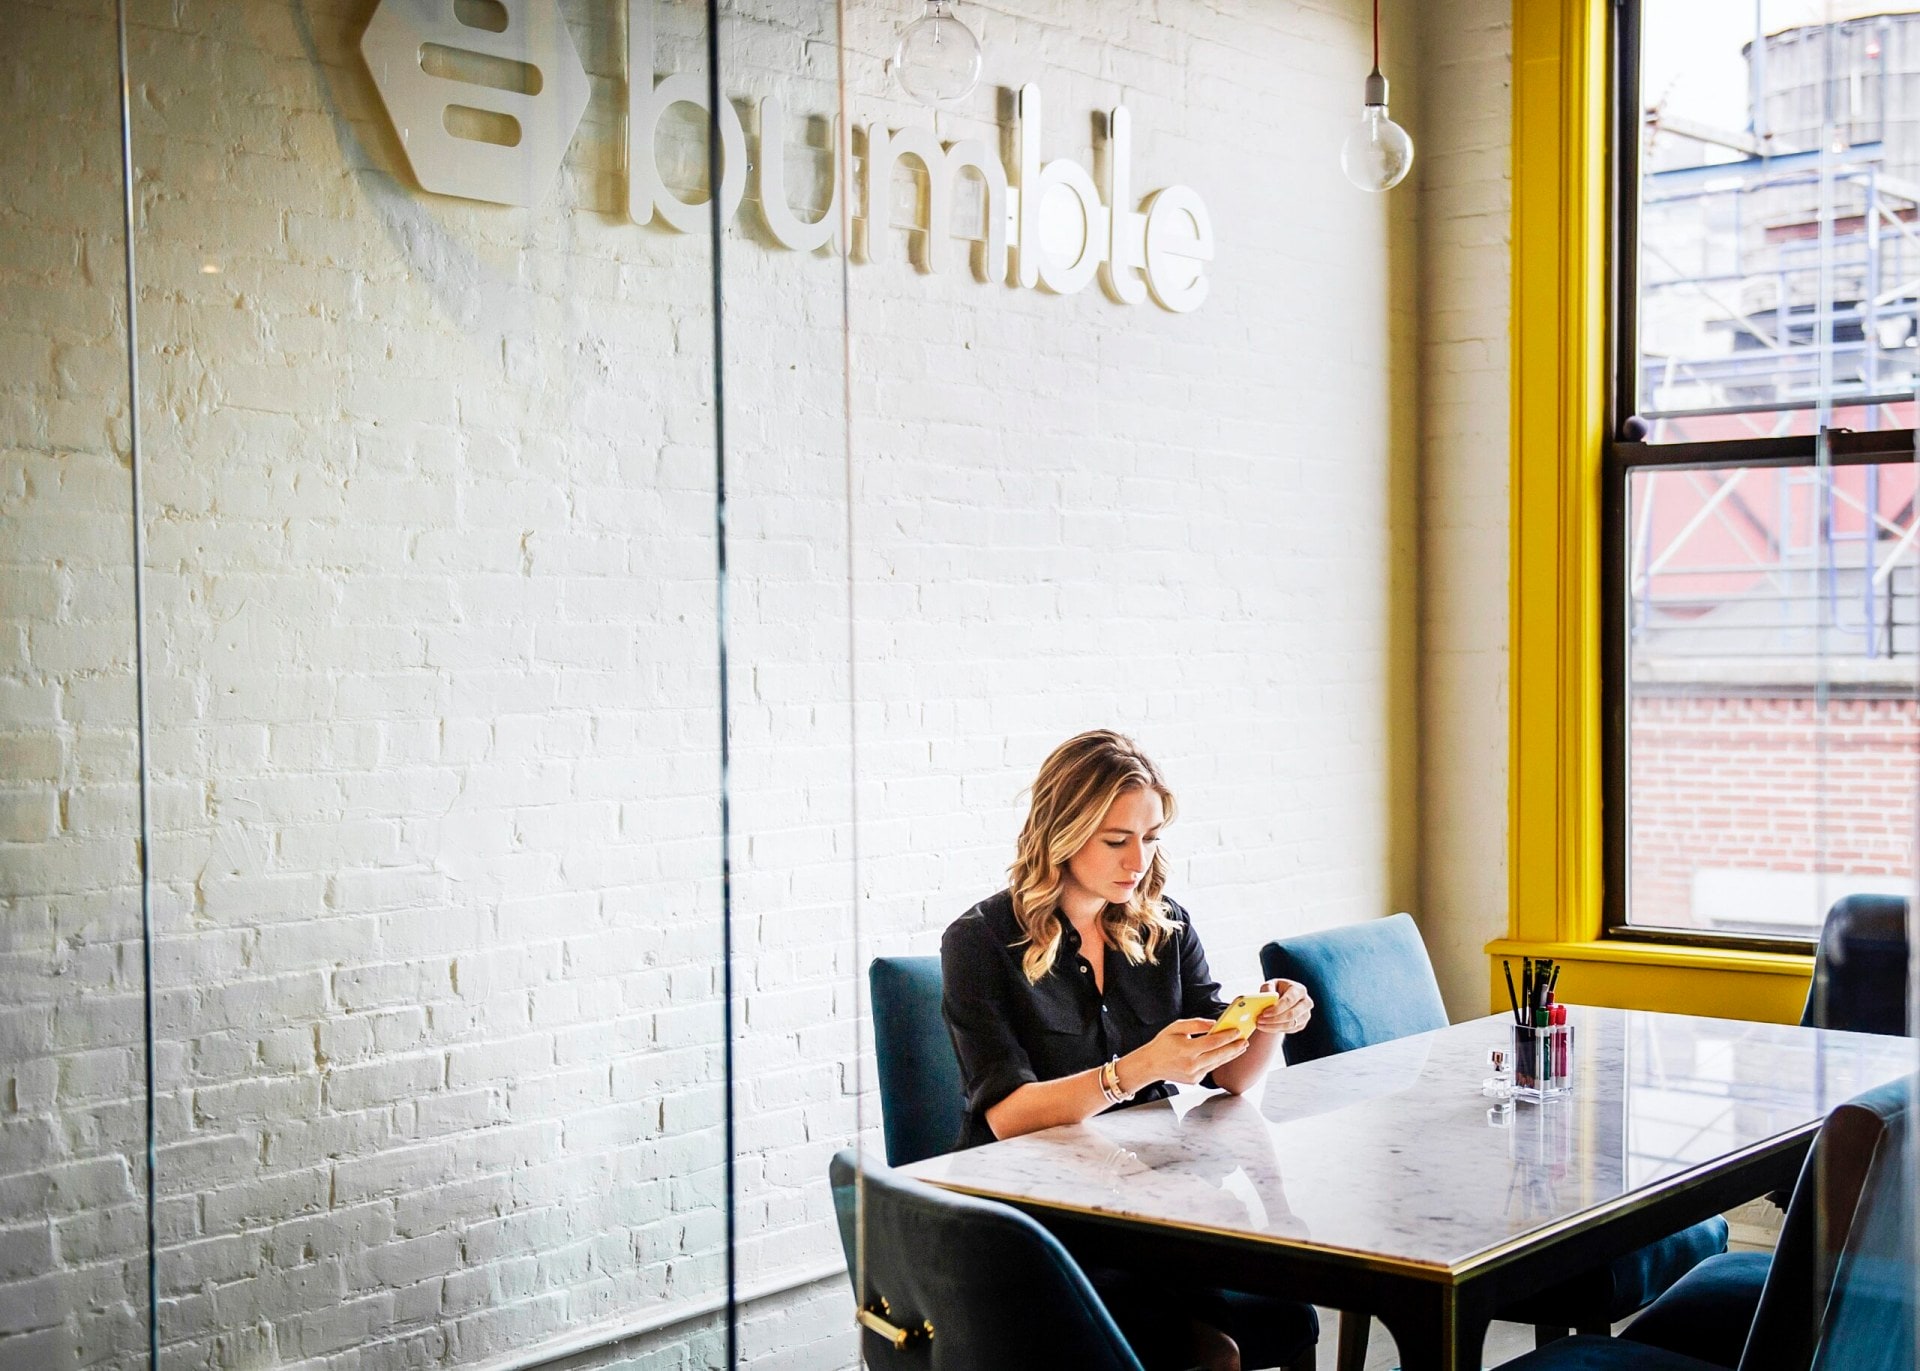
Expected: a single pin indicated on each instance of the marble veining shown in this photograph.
(1393, 1152)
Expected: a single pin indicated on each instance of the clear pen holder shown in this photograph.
(1542, 1061)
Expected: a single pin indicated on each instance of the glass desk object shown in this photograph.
(1380, 1180)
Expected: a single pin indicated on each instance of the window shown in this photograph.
(1760, 580)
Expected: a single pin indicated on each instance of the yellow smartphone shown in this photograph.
(1238, 1017)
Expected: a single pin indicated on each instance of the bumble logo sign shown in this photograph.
(486, 95)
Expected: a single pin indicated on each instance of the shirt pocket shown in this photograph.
(1066, 1037)
(1151, 995)
(1062, 1037)
(1061, 1015)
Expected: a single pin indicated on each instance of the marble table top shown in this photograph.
(1392, 1154)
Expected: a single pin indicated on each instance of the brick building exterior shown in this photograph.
(1733, 791)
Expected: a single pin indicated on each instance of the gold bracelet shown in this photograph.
(1110, 1082)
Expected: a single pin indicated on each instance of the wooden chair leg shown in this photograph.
(1353, 1340)
(1544, 1333)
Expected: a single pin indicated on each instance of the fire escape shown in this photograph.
(1778, 295)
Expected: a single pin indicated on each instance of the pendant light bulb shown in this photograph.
(937, 60)
(1378, 153)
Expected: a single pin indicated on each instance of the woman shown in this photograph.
(1081, 987)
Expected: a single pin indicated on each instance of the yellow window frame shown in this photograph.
(1555, 835)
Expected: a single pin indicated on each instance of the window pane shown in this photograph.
(1779, 227)
(1771, 713)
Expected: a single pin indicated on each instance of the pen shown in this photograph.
(1553, 982)
(1507, 967)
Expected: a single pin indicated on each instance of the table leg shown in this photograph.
(1355, 1325)
(1436, 1330)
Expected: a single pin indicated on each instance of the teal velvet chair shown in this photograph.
(970, 1283)
(1871, 1313)
(1838, 1293)
(1860, 970)
(1859, 974)
(1708, 1312)
(1373, 982)
(922, 1107)
(922, 1104)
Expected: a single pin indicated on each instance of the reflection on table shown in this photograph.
(1392, 1154)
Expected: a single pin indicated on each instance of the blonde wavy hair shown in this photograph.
(1076, 786)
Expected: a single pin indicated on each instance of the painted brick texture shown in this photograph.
(1786, 784)
(72, 1104)
(1464, 104)
(432, 657)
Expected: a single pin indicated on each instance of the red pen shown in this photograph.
(1557, 1017)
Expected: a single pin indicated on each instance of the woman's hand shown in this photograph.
(1290, 1015)
(1293, 1011)
(1183, 1051)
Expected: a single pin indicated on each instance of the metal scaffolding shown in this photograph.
(1779, 293)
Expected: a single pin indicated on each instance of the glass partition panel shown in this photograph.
(73, 1238)
(794, 972)
(1762, 737)
(1131, 367)
(429, 404)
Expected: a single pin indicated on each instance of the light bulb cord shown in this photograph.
(1376, 83)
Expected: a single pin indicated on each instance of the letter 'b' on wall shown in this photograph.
(482, 114)
(648, 195)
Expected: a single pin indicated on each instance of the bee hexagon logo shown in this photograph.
(484, 96)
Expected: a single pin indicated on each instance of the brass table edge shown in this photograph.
(1352, 1257)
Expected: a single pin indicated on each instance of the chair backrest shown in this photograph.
(1371, 983)
(922, 1102)
(1869, 1324)
(1858, 1142)
(998, 1289)
(1860, 971)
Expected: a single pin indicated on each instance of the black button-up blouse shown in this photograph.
(1008, 1031)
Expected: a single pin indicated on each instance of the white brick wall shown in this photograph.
(1465, 109)
(72, 1244)
(432, 648)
